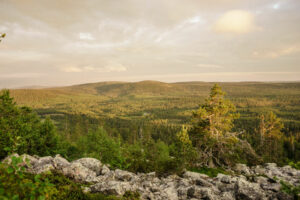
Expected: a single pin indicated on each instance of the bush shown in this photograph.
(22, 131)
(290, 189)
(100, 145)
(295, 165)
(16, 184)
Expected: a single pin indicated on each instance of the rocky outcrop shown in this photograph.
(259, 182)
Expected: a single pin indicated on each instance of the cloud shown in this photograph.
(236, 21)
(284, 51)
(276, 6)
(209, 66)
(71, 69)
(115, 67)
(112, 67)
(86, 36)
(21, 75)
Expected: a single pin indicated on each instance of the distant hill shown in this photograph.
(114, 89)
(172, 101)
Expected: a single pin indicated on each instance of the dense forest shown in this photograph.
(159, 129)
(154, 110)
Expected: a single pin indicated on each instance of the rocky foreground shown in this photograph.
(260, 182)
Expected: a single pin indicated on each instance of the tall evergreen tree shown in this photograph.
(271, 137)
(211, 124)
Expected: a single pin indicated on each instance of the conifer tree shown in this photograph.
(211, 125)
(271, 143)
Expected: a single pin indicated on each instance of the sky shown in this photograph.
(65, 42)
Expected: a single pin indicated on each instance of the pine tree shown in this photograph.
(271, 137)
(211, 124)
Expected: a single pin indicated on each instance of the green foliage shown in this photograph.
(22, 131)
(183, 150)
(295, 165)
(100, 145)
(211, 124)
(269, 138)
(159, 109)
(16, 184)
(290, 189)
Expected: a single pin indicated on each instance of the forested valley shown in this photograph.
(152, 126)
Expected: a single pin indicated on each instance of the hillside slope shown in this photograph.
(160, 101)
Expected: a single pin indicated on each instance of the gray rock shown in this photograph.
(242, 168)
(123, 175)
(59, 162)
(275, 187)
(247, 190)
(192, 185)
(111, 187)
(28, 160)
(79, 173)
(90, 163)
(170, 192)
(43, 168)
(259, 170)
(226, 179)
(202, 193)
(194, 175)
(270, 165)
(44, 160)
(105, 170)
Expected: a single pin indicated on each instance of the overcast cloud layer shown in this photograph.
(63, 42)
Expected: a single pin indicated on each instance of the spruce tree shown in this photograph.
(211, 125)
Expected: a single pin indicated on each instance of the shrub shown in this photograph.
(16, 184)
(22, 131)
(295, 165)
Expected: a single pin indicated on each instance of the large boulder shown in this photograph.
(123, 175)
(105, 170)
(247, 190)
(42, 168)
(201, 193)
(242, 169)
(60, 163)
(90, 163)
(79, 173)
(111, 187)
(44, 161)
